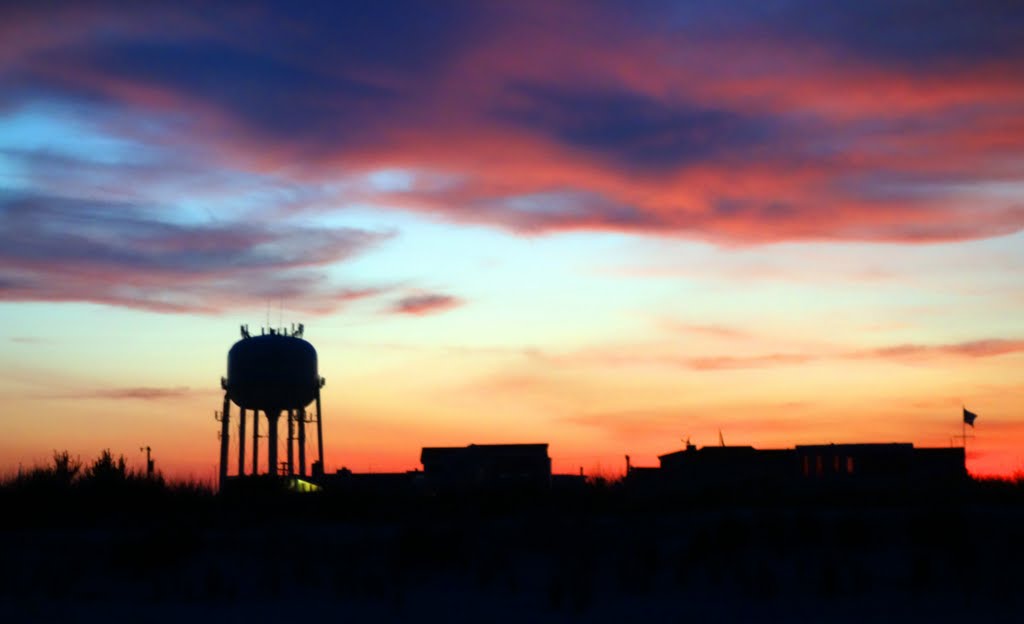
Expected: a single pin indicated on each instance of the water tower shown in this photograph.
(274, 373)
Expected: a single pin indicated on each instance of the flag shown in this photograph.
(969, 417)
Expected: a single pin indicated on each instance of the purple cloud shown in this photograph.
(756, 123)
(60, 249)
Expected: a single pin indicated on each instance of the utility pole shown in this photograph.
(149, 461)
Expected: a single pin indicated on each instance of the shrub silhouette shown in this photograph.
(106, 470)
(49, 480)
(65, 469)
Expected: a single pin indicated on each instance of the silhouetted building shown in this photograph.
(728, 465)
(873, 465)
(379, 483)
(489, 466)
(940, 463)
(867, 463)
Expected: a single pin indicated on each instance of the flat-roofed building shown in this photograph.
(886, 464)
(487, 466)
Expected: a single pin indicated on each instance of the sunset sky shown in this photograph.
(608, 226)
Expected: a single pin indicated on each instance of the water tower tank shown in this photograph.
(272, 372)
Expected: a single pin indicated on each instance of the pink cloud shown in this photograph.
(424, 304)
(972, 349)
(618, 125)
(641, 355)
(136, 393)
(758, 361)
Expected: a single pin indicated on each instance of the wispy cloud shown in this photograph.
(902, 352)
(646, 356)
(27, 339)
(972, 349)
(134, 393)
(725, 362)
(60, 249)
(424, 303)
(713, 330)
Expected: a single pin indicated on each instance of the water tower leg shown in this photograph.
(291, 442)
(302, 442)
(241, 442)
(225, 433)
(319, 432)
(255, 442)
(272, 417)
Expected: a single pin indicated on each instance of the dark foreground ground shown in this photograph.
(158, 554)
